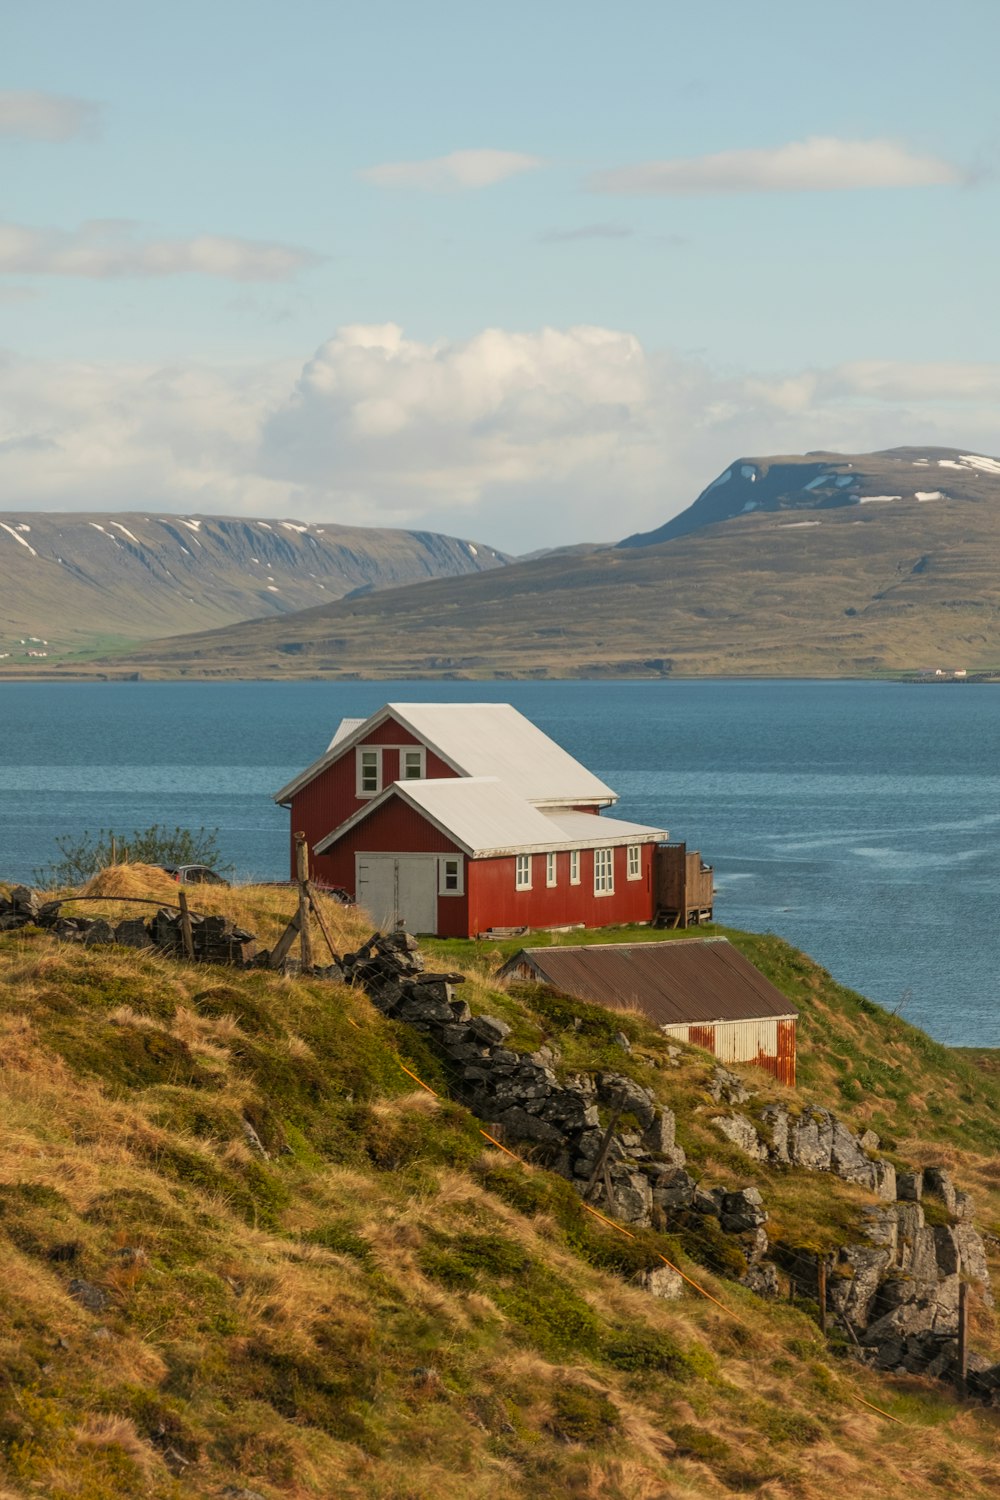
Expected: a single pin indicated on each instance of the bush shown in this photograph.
(156, 845)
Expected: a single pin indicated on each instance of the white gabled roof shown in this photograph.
(484, 817)
(343, 731)
(478, 739)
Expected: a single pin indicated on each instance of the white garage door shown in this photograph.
(398, 885)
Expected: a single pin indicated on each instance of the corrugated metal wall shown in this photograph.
(768, 1043)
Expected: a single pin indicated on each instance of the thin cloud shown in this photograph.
(458, 170)
(586, 232)
(105, 249)
(29, 115)
(821, 164)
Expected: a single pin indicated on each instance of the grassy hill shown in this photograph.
(385, 1306)
(86, 582)
(851, 591)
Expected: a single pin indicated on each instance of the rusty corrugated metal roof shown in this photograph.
(675, 982)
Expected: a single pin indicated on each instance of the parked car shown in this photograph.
(194, 875)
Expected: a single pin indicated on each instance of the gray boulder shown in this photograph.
(743, 1133)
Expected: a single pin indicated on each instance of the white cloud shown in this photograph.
(460, 169)
(819, 164)
(105, 248)
(29, 115)
(522, 439)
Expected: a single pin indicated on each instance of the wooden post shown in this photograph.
(961, 1382)
(187, 936)
(114, 851)
(602, 1153)
(314, 908)
(821, 1293)
(302, 876)
(281, 948)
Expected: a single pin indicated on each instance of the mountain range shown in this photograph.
(94, 581)
(819, 564)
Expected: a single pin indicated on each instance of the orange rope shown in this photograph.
(610, 1222)
(421, 1082)
(887, 1414)
(500, 1147)
(630, 1236)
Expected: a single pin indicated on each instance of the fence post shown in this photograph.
(187, 936)
(302, 876)
(821, 1293)
(961, 1382)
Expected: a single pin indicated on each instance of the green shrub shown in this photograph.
(582, 1415)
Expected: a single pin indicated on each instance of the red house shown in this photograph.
(462, 817)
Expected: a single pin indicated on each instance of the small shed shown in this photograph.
(699, 990)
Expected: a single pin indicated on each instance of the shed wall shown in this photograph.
(767, 1043)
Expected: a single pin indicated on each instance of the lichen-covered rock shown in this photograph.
(660, 1134)
(727, 1088)
(910, 1186)
(614, 1089)
(763, 1279)
(810, 1140)
(662, 1281)
(852, 1288)
(743, 1133)
(743, 1210)
(938, 1184)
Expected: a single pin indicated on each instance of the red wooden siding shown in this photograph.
(494, 901)
(397, 828)
(331, 797)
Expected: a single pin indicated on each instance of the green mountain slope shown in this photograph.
(825, 581)
(371, 1301)
(71, 582)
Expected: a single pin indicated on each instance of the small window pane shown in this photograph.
(550, 869)
(413, 765)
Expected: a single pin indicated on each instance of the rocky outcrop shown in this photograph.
(815, 1139)
(604, 1132)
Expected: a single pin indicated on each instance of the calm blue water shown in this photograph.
(859, 820)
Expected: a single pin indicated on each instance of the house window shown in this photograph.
(550, 869)
(411, 764)
(369, 772)
(450, 877)
(574, 867)
(604, 872)
(522, 873)
(635, 862)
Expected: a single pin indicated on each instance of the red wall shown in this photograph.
(331, 797)
(493, 901)
(396, 828)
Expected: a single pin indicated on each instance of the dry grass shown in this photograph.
(371, 1311)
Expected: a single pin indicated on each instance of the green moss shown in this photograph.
(128, 1057)
(582, 1415)
(636, 1346)
(695, 1442)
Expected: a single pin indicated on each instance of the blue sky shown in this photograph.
(622, 245)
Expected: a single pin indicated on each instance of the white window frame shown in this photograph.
(522, 872)
(360, 754)
(421, 753)
(574, 867)
(604, 872)
(551, 870)
(633, 861)
(443, 862)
